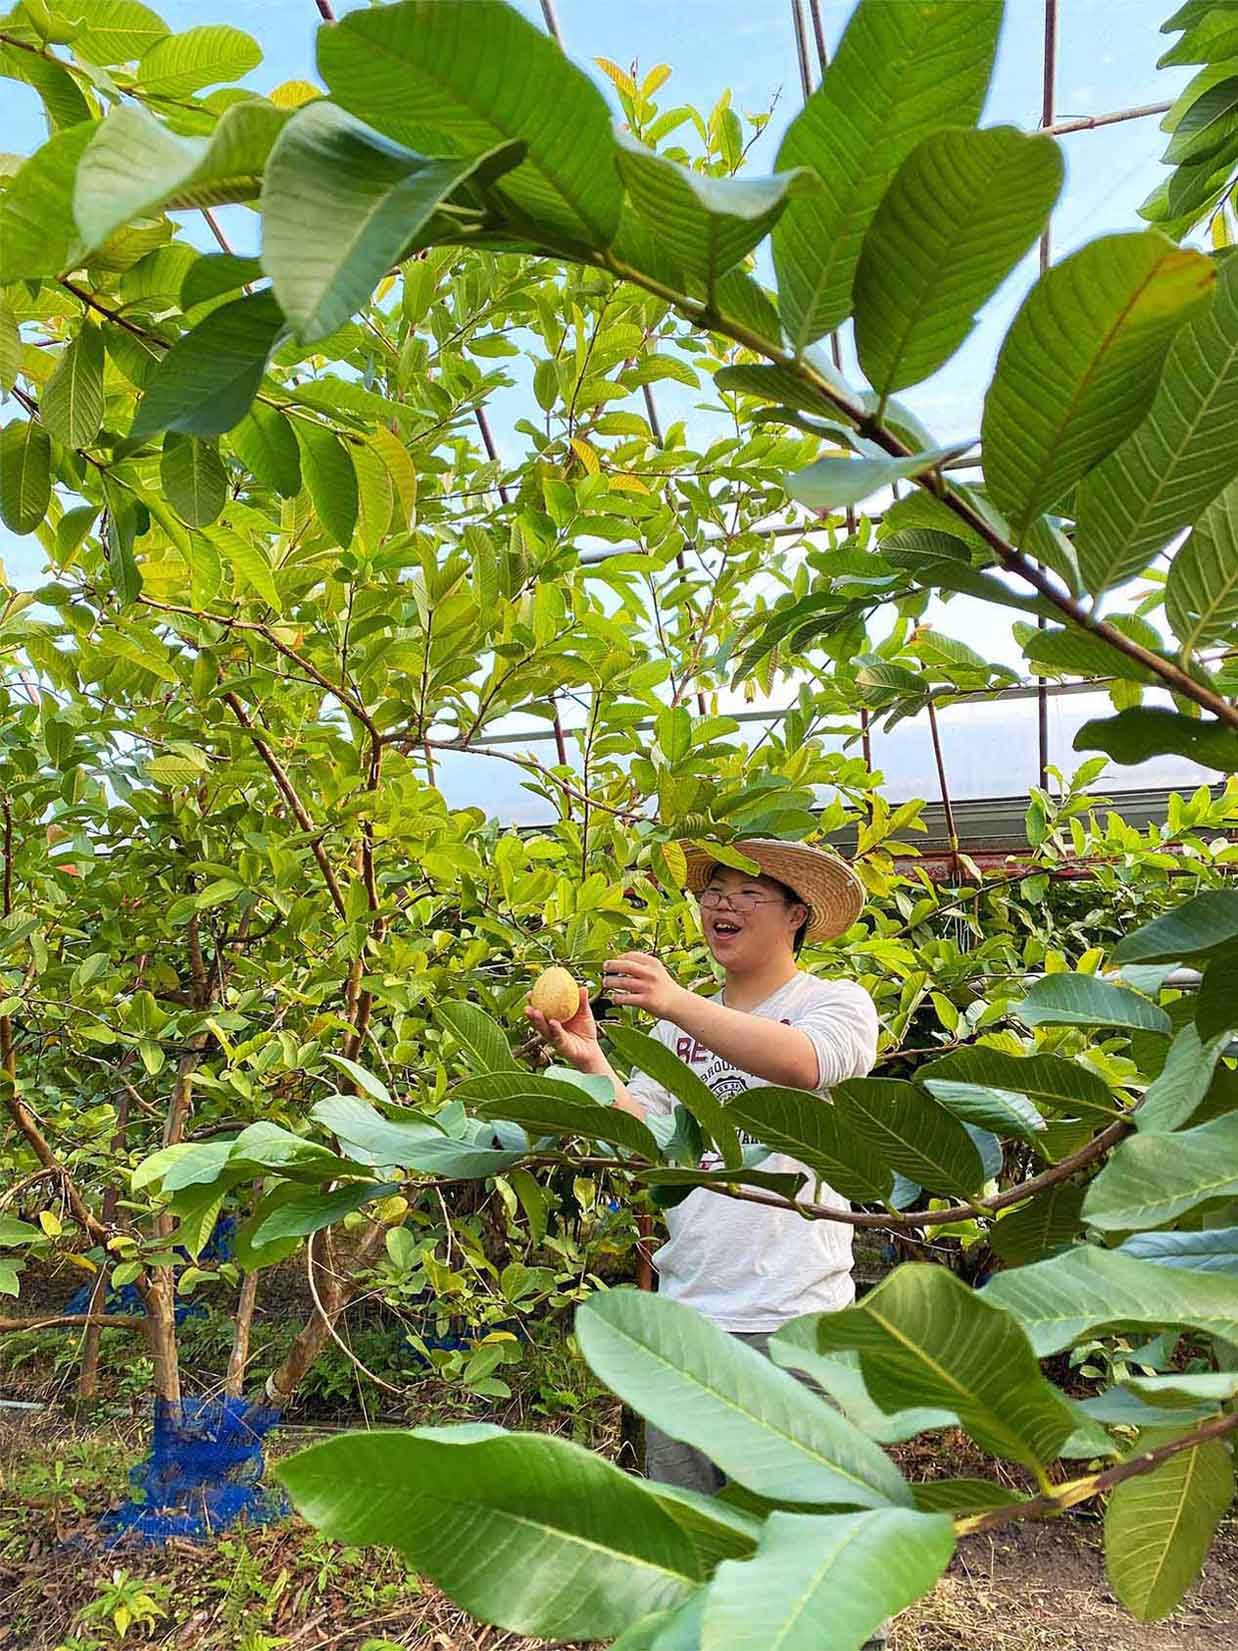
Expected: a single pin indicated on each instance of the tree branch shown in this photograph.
(115, 1321)
(1082, 1490)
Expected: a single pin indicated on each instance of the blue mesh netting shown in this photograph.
(127, 1299)
(204, 1471)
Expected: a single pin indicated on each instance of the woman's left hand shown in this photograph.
(638, 981)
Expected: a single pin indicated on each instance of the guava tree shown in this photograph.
(1086, 1139)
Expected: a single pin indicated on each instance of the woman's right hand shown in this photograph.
(574, 1041)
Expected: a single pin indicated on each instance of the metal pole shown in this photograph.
(947, 807)
(823, 60)
(1049, 81)
(801, 48)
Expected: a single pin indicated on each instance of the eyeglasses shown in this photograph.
(715, 899)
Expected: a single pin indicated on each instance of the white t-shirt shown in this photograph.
(743, 1266)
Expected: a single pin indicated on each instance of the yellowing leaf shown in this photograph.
(620, 483)
(620, 77)
(293, 94)
(50, 1223)
(586, 455)
(655, 79)
(82, 1261)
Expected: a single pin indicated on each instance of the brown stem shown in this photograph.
(117, 1321)
(88, 1370)
(238, 1359)
(287, 791)
(316, 1331)
(1082, 1490)
(531, 764)
(1089, 123)
(324, 10)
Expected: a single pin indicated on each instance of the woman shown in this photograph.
(747, 1267)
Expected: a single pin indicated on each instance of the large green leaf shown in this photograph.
(331, 478)
(1048, 1079)
(340, 203)
(1201, 593)
(1089, 1290)
(808, 1129)
(1193, 930)
(482, 1039)
(1149, 731)
(910, 1132)
(178, 65)
(825, 1579)
(1004, 1111)
(364, 1134)
(309, 1212)
(900, 73)
(699, 1384)
(924, 1338)
(1048, 1222)
(550, 1114)
(266, 446)
(193, 478)
(832, 484)
(841, 1375)
(135, 165)
(704, 225)
(25, 474)
(1207, 124)
(1173, 464)
(72, 403)
(63, 102)
(117, 31)
(207, 380)
(962, 210)
(1214, 1250)
(1182, 1083)
(1079, 366)
(1159, 1525)
(656, 1061)
(37, 233)
(527, 1531)
(1069, 651)
(458, 77)
(1151, 1179)
(715, 1529)
(1083, 1000)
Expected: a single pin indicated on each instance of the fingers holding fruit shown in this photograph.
(558, 1010)
(639, 981)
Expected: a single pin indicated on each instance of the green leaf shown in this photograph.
(1182, 1083)
(25, 475)
(825, 1579)
(327, 467)
(174, 770)
(1047, 1079)
(118, 537)
(538, 1109)
(10, 344)
(1090, 1290)
(963, 1495)
(1048, 1222)
(266, 446)
(1079, 366)
(585, 1548)
(207, 380)
(656, 1061)
(37, 235)
(1151, 1179)
(339, 205)
(924, 1338)
(482, 1040)
(962, 210)
(841, 1375)
(1201, 593)
(117, 31)
(1134, 735)
(364, 1080)
(704, 225)
(1206, 124)
(72, 404)
(807, 1128)
(1004, 1111)
(911, 1133)
(1083, 1000)
(1190, 932)
(248, 562)
(1159, 1525)
(134, 166)
(309, 1212)
(900, 73)
(214, 274)
(1215, 1250)
(1072, 652)
(13, 1231)
(831, 484)
(1174, 463)
(178, 65)
(193, 477)
(695, 1382)
(715, 1530)
(62, 99)
(461, 77)
(364, 1134)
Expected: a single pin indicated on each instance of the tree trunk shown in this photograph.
(316, 1332)
(88, 1372)
(234, 1383)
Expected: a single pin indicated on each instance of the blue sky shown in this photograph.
(1107, 51)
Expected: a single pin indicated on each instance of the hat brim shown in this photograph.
(829, 888)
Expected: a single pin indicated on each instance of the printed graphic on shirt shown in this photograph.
(723, 1079)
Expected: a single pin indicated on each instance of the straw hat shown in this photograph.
(829, 888)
